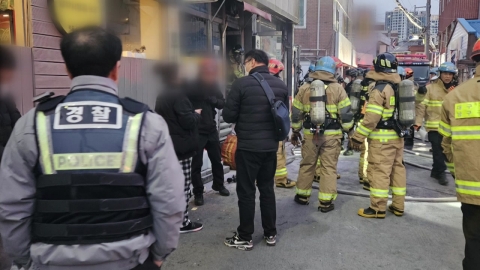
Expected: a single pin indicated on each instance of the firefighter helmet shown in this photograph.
(311, 68)
(408, 73)
(275, 66)
(402, 72)
(352, 72)
(385, 62)
(326, 64)
(476, 51)
(448, 67)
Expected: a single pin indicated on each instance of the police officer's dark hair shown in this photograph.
(7, 59)
(91, 51)
(259, 56)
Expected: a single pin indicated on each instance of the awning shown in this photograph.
(337, 61)
(255, 10)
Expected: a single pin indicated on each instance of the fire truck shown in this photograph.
(420, 65)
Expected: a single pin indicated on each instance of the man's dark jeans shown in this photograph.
(471, 230)
(256, 168)
(439, 165)
(211, 143)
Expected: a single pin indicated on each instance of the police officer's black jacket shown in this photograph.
(9, 115)
(208, 98)
(182, 122)
(248, 107)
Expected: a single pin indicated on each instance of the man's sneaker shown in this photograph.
(222, 191)
(236, 242)
(301, 200)
(199, 200)
(191, 227)
(349, 152)
(395, 211)
(326, 207)
(270, 240)
(370, 213)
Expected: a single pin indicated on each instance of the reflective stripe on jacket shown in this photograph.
(431, 106)
(381, 106)
(338, 105)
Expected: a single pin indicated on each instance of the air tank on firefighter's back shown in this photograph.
(406, 103)
(317, 102)
(355, 96)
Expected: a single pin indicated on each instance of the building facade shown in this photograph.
(450, 11)
(397, 21)
(325, 29)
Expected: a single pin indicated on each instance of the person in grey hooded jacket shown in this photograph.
(92, 57)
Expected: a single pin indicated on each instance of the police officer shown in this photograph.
(459, 126)
(321, 142)
(90, 180)
(430, 110)
(385, 158)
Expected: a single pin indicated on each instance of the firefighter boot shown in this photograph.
(316, 179)
(301, 200)
(349, 152)
(370, 213)
(441, 178)
(395, 211)
(326, 207)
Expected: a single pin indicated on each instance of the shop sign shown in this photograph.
(68, 15)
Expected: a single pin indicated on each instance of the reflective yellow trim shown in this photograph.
(379, 193)
(306, 108)
(468, 187)
(344, 103)
(327, 196)
(467, 110)
(318, 161)
(297, 104)
(444, 129)
(399, 191)
(297, 126)
(348, 126)
(451, 167)
(333, 132)
(130, 147)
(303, 192)
(432, 103)
(392, 101)
(87, 161)
(363, 130)
(281, 172)
(44, 145)
(432, 124)
(331, 108)
(466, 133)
(375, 109)
(384, 135)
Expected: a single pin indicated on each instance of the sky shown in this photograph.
(386, 5)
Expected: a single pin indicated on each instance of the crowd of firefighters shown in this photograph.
(379, 109)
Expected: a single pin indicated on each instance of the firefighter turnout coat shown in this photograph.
(460, 127)
(431, 107)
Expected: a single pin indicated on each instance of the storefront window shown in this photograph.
(140, 25)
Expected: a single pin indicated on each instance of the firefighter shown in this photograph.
(430, 110)
(357, 77)
(459, 126)
(321, 139)
(281, 174)
(409, 75)
(385, 158)
(368, 83)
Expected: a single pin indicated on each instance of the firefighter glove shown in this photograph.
(356, 145)
(296, 138)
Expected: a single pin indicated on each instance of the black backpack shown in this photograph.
(280, 112)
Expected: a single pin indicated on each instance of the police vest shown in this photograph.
(90, 182)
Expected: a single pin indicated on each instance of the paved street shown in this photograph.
(429, 236)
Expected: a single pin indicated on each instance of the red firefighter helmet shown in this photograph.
(476, 51)
(275, 66)
(409, 72)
